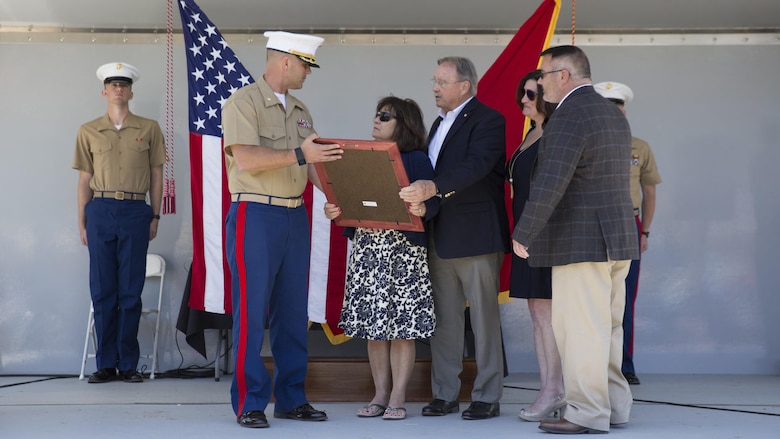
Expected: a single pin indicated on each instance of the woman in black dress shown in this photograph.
(534, 283)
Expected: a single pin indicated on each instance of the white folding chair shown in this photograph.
(90, 334)
(155, 267)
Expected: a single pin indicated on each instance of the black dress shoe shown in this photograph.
(102, 376)
(131, 376)
(632, 378)
(481, 410)
(253, 419)
(440, 407)
(304, 412)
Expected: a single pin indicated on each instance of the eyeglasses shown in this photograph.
(442, 84)
(543, 73)
(530, 94)
(384, 116)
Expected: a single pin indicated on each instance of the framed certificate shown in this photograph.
(365, 183)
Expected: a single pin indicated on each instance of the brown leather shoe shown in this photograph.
(565, 427)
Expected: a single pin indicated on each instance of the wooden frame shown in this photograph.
(365, 183)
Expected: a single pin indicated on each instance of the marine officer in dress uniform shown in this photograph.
(269, 140)
(119, 157)
(644, 177)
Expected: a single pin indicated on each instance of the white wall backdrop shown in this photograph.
(708, 295)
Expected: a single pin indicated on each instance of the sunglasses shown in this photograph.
(530, 94)
(384, 116)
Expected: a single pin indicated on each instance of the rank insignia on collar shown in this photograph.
(303, 123)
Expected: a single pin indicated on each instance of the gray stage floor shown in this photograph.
(666, 407)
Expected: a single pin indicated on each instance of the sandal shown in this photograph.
(371, 411)
(394, 413)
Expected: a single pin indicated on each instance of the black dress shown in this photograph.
(525, 282)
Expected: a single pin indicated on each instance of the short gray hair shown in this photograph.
(465, 70)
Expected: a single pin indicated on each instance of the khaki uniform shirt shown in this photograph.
(643, 170)
(119, 160)
(254, 116)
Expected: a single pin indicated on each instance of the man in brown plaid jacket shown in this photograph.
(579, 220)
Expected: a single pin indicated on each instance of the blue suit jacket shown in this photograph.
(469, 174)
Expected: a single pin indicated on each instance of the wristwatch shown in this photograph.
(646, 233)
(299, 155)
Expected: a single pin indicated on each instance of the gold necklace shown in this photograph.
(516, 155)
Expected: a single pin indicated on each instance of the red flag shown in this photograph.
(499, 83)
(496, 89)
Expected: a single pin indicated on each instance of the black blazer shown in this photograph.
(469, 174)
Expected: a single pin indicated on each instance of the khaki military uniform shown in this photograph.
(254, 116)
(119, 160)
(268, 246)
(643, 170)
(117, 226)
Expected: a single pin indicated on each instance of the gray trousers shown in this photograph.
(455, 281)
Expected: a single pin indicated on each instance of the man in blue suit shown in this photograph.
(579, 220)
(469, 237)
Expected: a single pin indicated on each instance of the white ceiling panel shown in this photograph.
(482, 15)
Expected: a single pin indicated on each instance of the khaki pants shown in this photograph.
(587, 315)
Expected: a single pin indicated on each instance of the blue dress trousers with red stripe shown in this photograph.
(268, 253)
(632, 284)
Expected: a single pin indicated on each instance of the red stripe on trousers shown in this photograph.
(636, 289)
(241, 266)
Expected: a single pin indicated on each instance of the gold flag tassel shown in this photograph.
(573, 19)
(169, 186)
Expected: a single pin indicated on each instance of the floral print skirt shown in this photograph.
(388, 288)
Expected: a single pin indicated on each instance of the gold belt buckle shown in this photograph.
(119, 195)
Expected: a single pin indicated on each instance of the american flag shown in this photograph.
(214, 73)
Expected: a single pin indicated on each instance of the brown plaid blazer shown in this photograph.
(579, 208)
